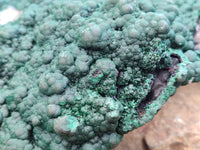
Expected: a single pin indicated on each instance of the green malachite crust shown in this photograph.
(78, 75)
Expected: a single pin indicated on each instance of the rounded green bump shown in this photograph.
(146, 5)
(66, 125)
(53, 110)
(180, 40)
(191, 55)
(87, 147)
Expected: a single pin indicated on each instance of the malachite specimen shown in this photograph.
(79, 74)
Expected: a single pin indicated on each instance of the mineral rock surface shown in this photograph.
(80, 74)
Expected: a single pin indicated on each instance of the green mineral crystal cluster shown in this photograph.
(78, 74)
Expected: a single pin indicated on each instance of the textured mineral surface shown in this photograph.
(175, 127)
(77, 75)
